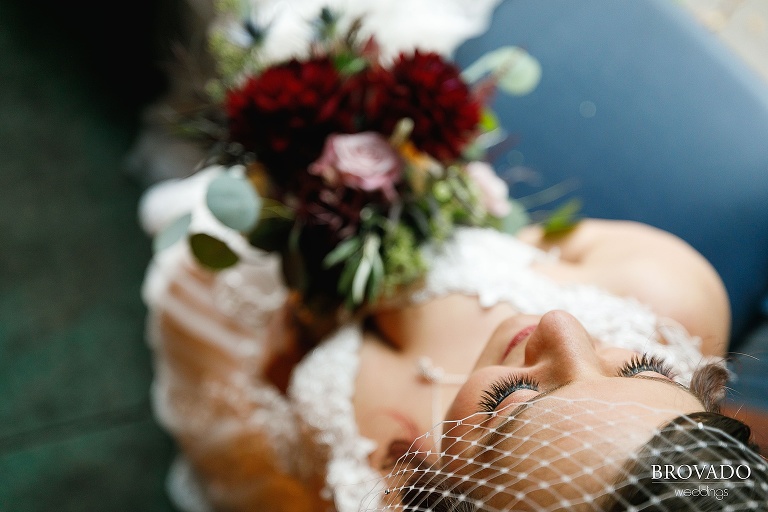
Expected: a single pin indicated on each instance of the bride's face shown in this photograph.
(530, 357)
(526, 359)
(546, 402)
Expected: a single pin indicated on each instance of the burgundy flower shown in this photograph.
(431, 92)
(285, 114)
(334, 210)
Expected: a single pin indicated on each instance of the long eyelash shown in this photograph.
(646, 363)
(504, 387)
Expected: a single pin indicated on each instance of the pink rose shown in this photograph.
(365, 161)
(494, 191)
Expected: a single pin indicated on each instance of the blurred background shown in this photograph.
(76, 429)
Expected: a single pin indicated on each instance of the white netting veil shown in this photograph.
(554, 453)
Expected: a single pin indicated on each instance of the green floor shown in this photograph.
(76, 429)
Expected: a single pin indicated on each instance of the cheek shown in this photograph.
(391, 404)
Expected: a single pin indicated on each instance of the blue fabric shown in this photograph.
(678, 135)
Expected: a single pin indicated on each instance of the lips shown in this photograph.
(515, 341)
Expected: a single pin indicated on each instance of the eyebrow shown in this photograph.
(512, 419)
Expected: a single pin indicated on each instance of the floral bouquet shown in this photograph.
(346, 163)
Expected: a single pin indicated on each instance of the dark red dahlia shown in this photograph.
(430, 91)
(285, 114)
(334, 210)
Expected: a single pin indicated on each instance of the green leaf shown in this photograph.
(516, 219)
(563, 219)
(294, 270)
(347, 275)
(474, 151)
(370, 254)
(234, 202)
(349, 64)
(489, 121)
(294, 237)
(441, 191)
(172, 233)
(377, 276)
(342, 251)
(522, 78)
(516, 71)
(271, 234)
(212, 252)
(360, 280)
(420, 220)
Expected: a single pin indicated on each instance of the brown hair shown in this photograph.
(700, 439)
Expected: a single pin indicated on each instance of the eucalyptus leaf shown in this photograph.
(212, 252)
(516, 71)
(234, 202)
(172, 233)
(516, 219)
(522, 77)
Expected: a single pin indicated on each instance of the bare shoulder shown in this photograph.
(652, 265)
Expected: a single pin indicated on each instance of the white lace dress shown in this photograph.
(306, 440)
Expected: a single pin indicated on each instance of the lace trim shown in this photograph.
(322, 390)
(218, 412)
(252, 292)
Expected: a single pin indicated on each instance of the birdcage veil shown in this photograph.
(583, 455)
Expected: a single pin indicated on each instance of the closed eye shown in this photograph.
(501, 389)
(645, 363)
(504, 387)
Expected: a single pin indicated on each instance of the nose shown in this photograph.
(563, 348)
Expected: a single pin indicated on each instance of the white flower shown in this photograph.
(494, 191)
